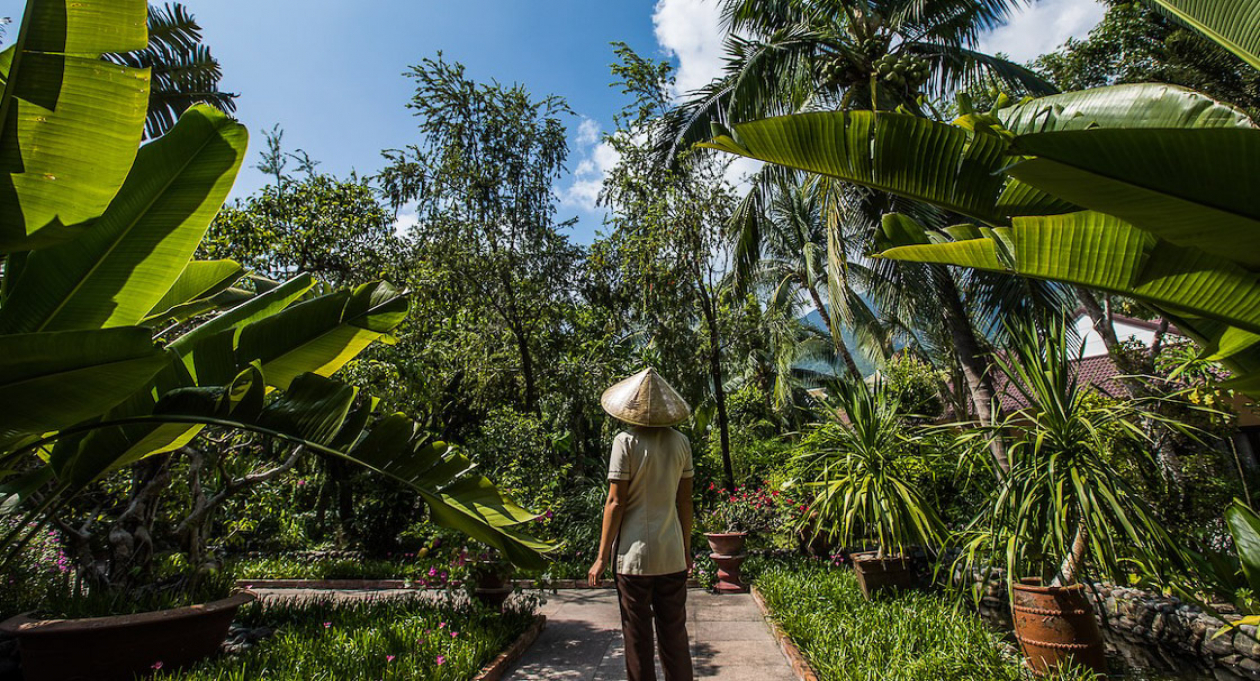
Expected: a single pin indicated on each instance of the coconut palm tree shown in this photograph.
(183, 70)
(785, 250)
(789, 56)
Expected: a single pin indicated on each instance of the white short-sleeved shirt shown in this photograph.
(654, 461)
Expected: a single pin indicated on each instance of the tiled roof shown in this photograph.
(1099, 371)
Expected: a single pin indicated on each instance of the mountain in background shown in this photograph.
(866, 366)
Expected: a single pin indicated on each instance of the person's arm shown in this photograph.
(685, 512)
(614, 508)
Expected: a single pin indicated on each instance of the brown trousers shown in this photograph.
(659, 600)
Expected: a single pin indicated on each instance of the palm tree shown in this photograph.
(183, 70)
(789, 56)
(785, 249)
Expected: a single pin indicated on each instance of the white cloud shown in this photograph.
(740, 171)
(598, 158)
(691, 31)
(1042, 27)
(407, 220)
(588, 131)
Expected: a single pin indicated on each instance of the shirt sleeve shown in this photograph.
(689, 469)
(619, 464)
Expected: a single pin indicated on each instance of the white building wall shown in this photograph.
(1094, 345)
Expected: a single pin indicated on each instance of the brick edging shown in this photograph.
(499, 665)
(801, 667)
(379, 584)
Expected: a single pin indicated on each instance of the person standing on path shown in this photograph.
(646, 535)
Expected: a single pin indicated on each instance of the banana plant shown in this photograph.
(1134, 189)
(97, 235)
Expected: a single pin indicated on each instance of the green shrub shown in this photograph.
(909, 637)
(386, 638)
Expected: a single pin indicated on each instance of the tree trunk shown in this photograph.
(1132, 365)
(973, 362)
(527, 371)
(1070, 569)
(836, 339)
(719, 390)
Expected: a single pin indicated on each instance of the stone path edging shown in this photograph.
(394, 584)
(500, 665)
(800, 666)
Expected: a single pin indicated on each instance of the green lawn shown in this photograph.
(909, 637)
(386, 638)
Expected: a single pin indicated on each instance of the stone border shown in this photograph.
(801, 667)
(328, 584)
(394, 584)
(498, 667)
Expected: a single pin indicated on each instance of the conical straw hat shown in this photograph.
(645, 399)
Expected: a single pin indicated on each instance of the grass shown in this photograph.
(386, 638)
(286, 567)
(908, 637)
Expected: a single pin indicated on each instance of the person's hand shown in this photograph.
(596, 575)
(691, 562)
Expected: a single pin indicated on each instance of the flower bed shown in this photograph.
(382, 638)
(905, 638)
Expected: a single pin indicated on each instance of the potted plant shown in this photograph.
(115, 633)
(728, 525)
(862, 491)
(1064, 509)
(489, 578)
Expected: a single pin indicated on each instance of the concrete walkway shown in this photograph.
(582, 641)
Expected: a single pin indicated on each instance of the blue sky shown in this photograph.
(330, 73)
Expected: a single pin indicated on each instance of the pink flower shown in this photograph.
(441, 660)
(327, 624)
(301, 483)
(389, 658)
(156, 665)
(454, 634)
(441, 625)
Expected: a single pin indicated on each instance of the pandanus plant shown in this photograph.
(1064, 508)
(863, 492)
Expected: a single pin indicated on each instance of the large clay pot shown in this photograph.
(1055, 627)
(120, 647)
(727, 543)
(493, 590)
(877, 575)
(728, 553)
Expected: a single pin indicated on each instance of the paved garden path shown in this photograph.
(582, 641)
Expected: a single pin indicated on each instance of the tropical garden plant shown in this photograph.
(861, 489)
(97, 234)
(1159, 169)
(1065, 510)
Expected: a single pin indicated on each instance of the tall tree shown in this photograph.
(333, 228)
(1137, 44)
(182, 68)
(668, 229)
(481, 182)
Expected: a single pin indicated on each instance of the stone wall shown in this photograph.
(1164, 628)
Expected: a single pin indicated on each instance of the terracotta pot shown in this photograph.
(120, 647)
(493, 590)
(877, 575)
(728, 553)
(730, 581)
(727, 543)
(818, 545)
(1055, 627)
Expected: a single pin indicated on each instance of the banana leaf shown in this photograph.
(70, 123)
(1232, 24)
(1192, 187)
(115, 273)
(50, 381)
